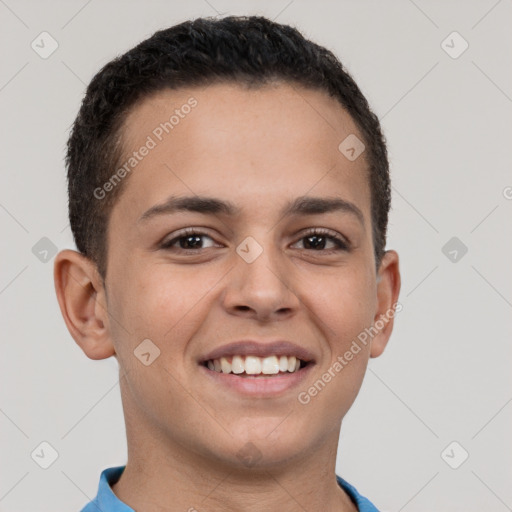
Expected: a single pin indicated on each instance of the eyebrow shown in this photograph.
(304, 205)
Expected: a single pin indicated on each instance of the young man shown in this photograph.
(229, 194)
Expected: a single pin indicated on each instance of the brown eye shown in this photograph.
(188, 241)
(318, 239)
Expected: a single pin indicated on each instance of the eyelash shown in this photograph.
(341, 244)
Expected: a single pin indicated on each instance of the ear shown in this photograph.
(388, 289)
(82, 300)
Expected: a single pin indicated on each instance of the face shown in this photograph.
(195, 276)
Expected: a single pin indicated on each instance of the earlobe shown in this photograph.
(81, 298)
(388, 290)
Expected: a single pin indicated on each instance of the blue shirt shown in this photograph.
(107, 501)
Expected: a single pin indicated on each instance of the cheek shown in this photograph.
(345, 302)
(351, 314)
(163, 303)
(346, 307)
(150, 304)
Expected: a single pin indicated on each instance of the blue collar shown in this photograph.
(363, 504)
(107, 501)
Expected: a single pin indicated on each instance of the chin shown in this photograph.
(265, 444)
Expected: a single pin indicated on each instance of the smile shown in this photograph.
(254, 365)
(258, 377)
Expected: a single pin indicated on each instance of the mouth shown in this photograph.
(254, 366)
(257, 368)
(252, 376)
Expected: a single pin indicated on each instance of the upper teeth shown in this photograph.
(253, 365)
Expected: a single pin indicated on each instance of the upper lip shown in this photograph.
(260, 349)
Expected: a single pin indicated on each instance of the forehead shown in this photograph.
(261, 145)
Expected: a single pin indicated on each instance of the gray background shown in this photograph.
(446, 374)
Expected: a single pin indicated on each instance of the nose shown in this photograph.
(262, 289)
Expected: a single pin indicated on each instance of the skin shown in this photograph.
(258, 149)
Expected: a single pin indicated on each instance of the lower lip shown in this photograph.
(259, 386)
